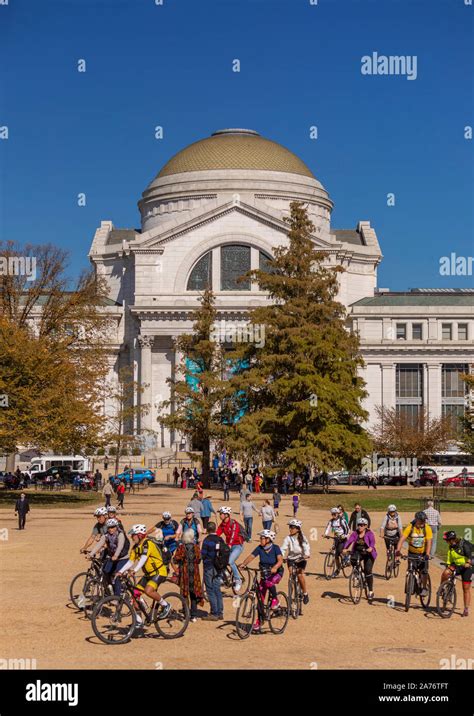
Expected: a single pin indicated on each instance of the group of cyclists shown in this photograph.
(359, 545)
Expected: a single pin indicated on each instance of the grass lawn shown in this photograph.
(406, 499)
(47, 499)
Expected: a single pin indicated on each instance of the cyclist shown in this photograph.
(145, 554)
(115, 544)
(391, 527)
(363, 548)
(338, 528)
(231, 531)
(190, 522)
(271, 567)
(418, 536)
(295, 549)
(99, 528)
(459, 560)
(112, 514)
(169, 528)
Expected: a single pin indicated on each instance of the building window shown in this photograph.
(462, 331)
(452, 385)
(417, 331)
(201, 275)
(235, 262)
(401, 331)
(446, 331)
(409, 413)
(409, 381)
(264, 262)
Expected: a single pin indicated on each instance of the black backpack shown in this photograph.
(221, 557)
(166, 555)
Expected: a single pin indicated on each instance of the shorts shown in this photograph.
(465, 572)
(153, 582)
(299, 564)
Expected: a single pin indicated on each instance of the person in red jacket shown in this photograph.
(232, 533)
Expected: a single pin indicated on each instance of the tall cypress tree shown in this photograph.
(301, 391)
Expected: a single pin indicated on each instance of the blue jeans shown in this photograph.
(248, 522)
(110, 568)
(213, 589)
(267, 524)
(235, 553)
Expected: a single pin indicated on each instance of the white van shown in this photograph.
(77, 463)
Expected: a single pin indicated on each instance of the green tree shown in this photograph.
(300, 390)
(467, 422)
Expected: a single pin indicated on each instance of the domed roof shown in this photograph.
(235, 149)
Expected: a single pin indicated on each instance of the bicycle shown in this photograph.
(330, 562)
(446, 595)
(295, 591)
(392, 566)
(252, 604)
(115, 618)
(87, 588)
(413, 582)
(358, 581)
(228, 581)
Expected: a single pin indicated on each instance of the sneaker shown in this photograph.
(336, 574)
(465, 613)
(220, 617)
(305, 598)
(210, 618)
(237, 586)
(275, 604)
(256, 626)
(370, 596)
(139, 620)
(193, 619)
(164, 611)
(424, 593)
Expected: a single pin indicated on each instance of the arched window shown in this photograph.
(264, 261)
(235, 262)
(201, 275)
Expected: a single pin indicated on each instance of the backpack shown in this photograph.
(242, 531)
(164, 551)
(194, 527)
(221, 557)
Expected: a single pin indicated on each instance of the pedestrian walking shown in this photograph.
(296, 503)
(120, 494)
(206, 511)
(433, 519)
(226, 488)
(276, 500)
(107, 492)
(22, 507)
(268, 515)
(247, 508)
(185, 563)
(211, 547)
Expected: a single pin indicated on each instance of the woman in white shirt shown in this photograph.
(295, 549)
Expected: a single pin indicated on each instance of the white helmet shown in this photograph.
(392, 508)
(166, 515)
(189, 511)
(138, 530)
(225, 510)
(334, 511)
(101, 512)
(362, 521)
(112, 522)
(111, 508)
(268, 533)
(295, 523)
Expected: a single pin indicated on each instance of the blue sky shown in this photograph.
(171, 65)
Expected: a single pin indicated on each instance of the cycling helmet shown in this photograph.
(269, 534)
(138, 530)
(295, 523)
(420, 516)
(334, 510)
(101, 512)
(392, 508)
(362, 521)
(111, 508)
(451, 534)
(225, 510)
(112, 523)
(189, 511)
(166, 515)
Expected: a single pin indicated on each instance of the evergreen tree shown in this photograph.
(301, 391)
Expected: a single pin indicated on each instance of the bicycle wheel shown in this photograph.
(409, 584)
(114, 620)
(246, 580)
(278, 618)
(425, 601)
(329, 564)
(175, 623)
(446, 599)
(95, 591)
(355, 586)
(346, 567)
(245, 617)
(293, 599)
(396, 568)
(389, 567)
(76, 589)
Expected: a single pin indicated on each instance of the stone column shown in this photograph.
(145, 343)
(388, 385)
(434, 390)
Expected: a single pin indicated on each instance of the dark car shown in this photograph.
(344, 477)
(58, 472)
(393, 480)
(426, 477)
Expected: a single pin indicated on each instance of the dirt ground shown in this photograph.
(37, 565)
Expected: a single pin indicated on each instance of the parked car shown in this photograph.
(344, 477)
(58, 472)
(426, 477)
(459, 480)
(141, 476)
(393, 480)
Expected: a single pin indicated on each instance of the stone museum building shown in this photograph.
(216, 210)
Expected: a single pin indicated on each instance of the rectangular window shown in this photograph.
(452, 385)
(401, 331)
(447, 331)
(409, 381)
(417, 331)
(454, 412)
(409, 413)
(462, 331)
(235, 262)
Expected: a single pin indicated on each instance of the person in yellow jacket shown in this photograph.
(418, 535)
(459, 560)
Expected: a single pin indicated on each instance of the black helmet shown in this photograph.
(451, 534)
(420, 516)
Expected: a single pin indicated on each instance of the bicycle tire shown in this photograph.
(180, 614)
(408, 590)
(72, 591)
(346, 568)
(108, 602)
(396, 569)
(329, 564)
(355, 586)
(425, 601)
(245, 616)
(388, 568)
(446, 591)
(281, 612)
(292, 599)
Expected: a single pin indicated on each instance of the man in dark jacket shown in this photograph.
(211, 577)
(356, 515)
(22, 507)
